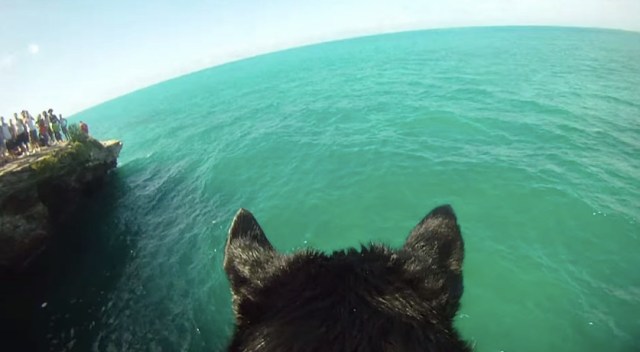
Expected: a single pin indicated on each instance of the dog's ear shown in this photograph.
(438, 236)
(437, 242)
(247, 255)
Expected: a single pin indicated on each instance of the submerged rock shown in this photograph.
(40, 191)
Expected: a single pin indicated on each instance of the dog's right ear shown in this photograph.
(438, 236)
(436, 243)
(247, 255)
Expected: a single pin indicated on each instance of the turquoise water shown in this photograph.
(532, 134)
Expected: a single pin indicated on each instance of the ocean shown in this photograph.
(532, 134)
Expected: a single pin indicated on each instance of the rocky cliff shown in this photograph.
(40, 191)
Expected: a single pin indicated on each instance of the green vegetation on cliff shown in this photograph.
(78, 151)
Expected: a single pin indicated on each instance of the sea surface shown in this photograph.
(532, 134)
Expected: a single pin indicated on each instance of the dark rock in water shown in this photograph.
(40, 191)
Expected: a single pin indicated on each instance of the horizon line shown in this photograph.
(295, 46)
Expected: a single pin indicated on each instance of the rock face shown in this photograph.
(39, 191)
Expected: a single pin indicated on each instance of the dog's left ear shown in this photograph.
(247, 255)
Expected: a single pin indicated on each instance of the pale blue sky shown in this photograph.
(72, 54)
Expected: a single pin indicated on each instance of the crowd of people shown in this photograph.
(24, 135)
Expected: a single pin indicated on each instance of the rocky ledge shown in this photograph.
(42, 190)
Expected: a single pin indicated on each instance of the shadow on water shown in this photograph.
(57, 302)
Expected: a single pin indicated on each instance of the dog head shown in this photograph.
(374, 299)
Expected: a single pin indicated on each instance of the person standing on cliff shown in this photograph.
(3, 146)
(44, 132)
(22, 135)
(6, 133)
(84, 128)
(63, 125)
(55, 126)
(12, 144)
(47, 123)
(33, 130)
(13, 140)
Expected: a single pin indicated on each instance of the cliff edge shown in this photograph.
(39, 191)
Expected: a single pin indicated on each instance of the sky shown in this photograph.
(71, 54)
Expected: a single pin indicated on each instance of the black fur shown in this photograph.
(375, 299)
